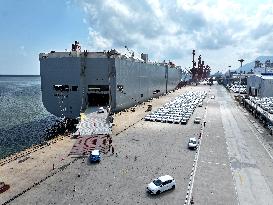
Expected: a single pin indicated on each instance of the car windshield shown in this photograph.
(193, 141)
(157, 182)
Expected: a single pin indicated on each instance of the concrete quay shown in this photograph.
(233, 164)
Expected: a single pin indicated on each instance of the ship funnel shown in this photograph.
(144, 57)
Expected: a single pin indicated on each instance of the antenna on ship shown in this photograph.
(130, 52)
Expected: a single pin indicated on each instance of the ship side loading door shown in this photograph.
(98, 95)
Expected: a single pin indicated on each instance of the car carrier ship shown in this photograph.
(73, 81)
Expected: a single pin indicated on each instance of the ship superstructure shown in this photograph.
(72, 81)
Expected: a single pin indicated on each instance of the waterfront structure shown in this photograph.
(260, 85)
(72, 81)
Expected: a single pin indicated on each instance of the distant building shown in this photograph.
(234, 78)
(260, 85)
(266, 67)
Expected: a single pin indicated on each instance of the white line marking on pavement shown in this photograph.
(216, 163)
(188, 196)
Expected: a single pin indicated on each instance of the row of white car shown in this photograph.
(179, 110)
(266, 103)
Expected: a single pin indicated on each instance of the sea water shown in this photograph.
(23, 118)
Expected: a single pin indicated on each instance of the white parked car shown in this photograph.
(170, 119)
(158, 119)
(184, 121)
(192, 143)
(147, 117)
(164, 119)
(153, 118)
(177, 120)
(161, 184)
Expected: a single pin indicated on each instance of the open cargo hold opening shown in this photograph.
(98, 95)
(97, 99)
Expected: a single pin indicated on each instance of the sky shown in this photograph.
(221, 31)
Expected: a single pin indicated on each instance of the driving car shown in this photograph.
(95, 156)
(192, 143)
(101, 110)
(161, 184)
(197, 120)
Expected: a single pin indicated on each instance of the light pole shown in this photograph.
(229, 76)
(193, 65)
(241, 61)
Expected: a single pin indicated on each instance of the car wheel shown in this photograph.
(173, 187)
(158, 192)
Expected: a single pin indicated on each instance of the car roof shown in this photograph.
(95, 152)
(193, 138)
(165, 178)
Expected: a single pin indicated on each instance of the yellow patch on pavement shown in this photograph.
(82, 116)
(241, 178)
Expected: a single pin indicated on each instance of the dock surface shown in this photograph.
(233, 164)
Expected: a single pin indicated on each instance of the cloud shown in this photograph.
(98, 41)
(263, 22)
(171, 29)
